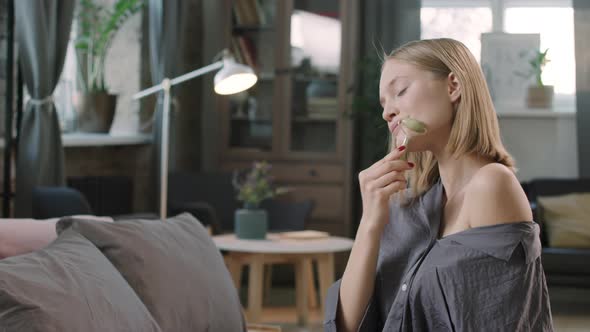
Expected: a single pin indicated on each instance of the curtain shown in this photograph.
(384, 26)
(42, 33)
(165, 34)
(582, 46)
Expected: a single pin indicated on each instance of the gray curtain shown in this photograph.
(582, 46)
(165, 23)
(42, 33)
(384, 25)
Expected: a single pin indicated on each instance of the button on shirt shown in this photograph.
(483, 279)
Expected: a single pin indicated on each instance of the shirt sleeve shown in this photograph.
(496, 296)
(370, 321)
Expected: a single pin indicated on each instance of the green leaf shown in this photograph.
(97, 26)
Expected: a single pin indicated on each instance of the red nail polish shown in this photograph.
(401, 148)
(411, 164)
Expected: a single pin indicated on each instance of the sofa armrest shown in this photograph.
(203, 211)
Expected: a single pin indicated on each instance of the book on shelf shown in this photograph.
(322, 101)
(249, 12)
(244, 51)
(235, 49)
(322, 104)
(248, 51)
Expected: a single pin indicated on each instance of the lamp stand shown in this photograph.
(232, 78)
(166, 86)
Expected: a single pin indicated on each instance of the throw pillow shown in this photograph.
(21, 236)
(173, 266)
(567, 218)
(68, 286)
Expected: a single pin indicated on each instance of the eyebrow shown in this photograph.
(391, 83)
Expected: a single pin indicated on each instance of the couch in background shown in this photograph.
(130, 275)
(564, 266)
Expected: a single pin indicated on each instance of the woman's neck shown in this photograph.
(455, 174)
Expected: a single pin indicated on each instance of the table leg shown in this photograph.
(326, 271)
(255, 280)
(312, 291)
(302, 271)
(235, 270)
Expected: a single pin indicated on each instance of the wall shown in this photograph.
(543, 146)
(122, 67)
(133, 161)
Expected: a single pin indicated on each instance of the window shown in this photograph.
(557, 36)
(65, 89)
(465, 20)
(452, 22)
(122, 74)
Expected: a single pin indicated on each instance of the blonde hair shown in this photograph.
(475, 125)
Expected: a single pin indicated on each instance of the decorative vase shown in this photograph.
(251, 223)
(96, 111)
(540, 96)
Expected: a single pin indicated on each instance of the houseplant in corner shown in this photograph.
(539, 95)
(253, 186)
(96, 28)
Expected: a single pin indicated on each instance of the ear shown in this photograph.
(454, 87)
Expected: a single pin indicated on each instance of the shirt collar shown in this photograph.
(501, 240)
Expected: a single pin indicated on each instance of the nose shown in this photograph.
(388, 113)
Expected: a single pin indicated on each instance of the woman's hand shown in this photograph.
(378, 182)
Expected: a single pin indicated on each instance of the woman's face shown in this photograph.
(408, 91)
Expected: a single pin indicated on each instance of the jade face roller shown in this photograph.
(411, 128)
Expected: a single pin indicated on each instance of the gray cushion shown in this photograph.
(173, 266)
(68, 286)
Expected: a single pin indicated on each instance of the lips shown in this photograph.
(393, 126)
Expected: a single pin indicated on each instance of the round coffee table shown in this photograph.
(276, 249)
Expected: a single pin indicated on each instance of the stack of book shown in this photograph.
(244, 50)
(322, 107)
(249, 13)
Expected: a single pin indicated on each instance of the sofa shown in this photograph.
(564, 266)
(83, 274)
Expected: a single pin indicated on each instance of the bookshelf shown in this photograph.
(295, 117)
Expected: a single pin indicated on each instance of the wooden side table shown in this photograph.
(257, 253)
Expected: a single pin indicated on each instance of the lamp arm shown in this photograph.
(179, 79)
(196, 73)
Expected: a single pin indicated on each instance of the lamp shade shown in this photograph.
(233, 77)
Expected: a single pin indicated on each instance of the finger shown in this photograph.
(387, 179)
(394, 187)
(387, 167)
(395, 154)
(390, 166)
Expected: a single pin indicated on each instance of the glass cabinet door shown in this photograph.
(313, 83)
(253, 39)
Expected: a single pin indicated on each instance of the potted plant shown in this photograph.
(96, 28)
(253, 187)
(539, 95)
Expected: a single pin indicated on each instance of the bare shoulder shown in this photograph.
(495, 196)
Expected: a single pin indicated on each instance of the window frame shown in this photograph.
(562, 102)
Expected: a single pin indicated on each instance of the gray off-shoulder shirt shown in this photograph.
(486, 278)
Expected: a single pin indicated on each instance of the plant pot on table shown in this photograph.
(251, 223)
(540, 96)
(96, 111)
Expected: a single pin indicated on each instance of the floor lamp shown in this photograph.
(231, 78)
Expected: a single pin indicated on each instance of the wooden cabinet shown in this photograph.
(295, 117)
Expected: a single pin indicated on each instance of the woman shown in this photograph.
(457, 249)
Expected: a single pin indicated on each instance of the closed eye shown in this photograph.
(401, 93)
